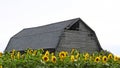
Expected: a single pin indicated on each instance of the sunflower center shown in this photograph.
(54, 59)
(105, 59)
(45, 58)
(62, 54)
(97, 59)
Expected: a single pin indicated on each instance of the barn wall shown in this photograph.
(83, 39)
(82, 27)
(79, 40)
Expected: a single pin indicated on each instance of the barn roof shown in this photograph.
(44, 36)
(47, 36)
(47, 28)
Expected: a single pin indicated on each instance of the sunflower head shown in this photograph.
(18, 55)
(104, 59)
(72, 51)
(110, 56)
(34, 52)
(86, 56)
(0, 54)
(52, 54)
(97, 59)
(45, 58)
(23, 56)
(12, 56)
(13, 51)
(77, 56)
(47, 53)
(115, 58)
(72, 58)
(62, 55)
(27, 51)
(53, 59)
(30, 51)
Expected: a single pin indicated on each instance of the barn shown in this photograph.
(64, 35)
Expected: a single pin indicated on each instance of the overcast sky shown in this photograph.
(103, 16)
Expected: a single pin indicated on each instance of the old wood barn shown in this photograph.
(58, 36)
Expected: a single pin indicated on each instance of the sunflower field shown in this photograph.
(74, 59)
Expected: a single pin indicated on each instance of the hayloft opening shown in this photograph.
(74, 27)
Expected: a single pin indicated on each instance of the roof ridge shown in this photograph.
(53, 23)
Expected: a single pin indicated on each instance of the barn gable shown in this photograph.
(55, 36)
(79, 36)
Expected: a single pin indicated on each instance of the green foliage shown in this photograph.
(74, 59)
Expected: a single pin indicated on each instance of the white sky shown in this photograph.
(103, 16)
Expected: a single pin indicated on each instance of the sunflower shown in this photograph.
(110, 56)
(23, 56)
(18, 55)
(86, 56)
(12, 56)
(27, 51)
(104, 59)
(72, 58)
(13, 51)
(115, 58)
(72, 51)
(53, 59)
(62, 55)
(97, 59)
(0, 54)
(77, 56)
(47, 53)
(52, 54)
(30, 51)
(34, 52)
(45, 58)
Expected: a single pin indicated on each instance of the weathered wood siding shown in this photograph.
(83, 40)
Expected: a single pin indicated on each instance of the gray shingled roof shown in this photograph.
(39, 37)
